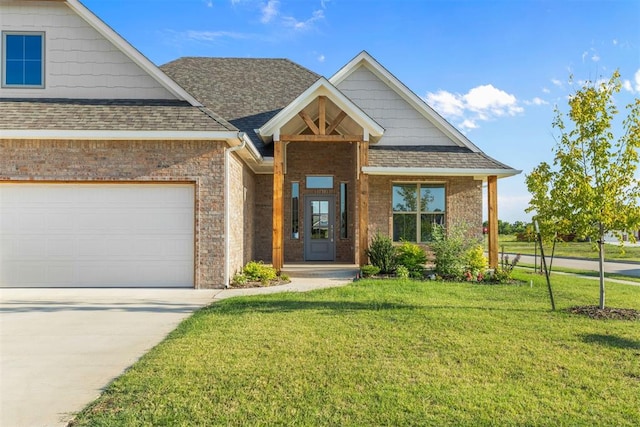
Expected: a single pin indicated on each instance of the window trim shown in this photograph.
(3, 65)
(418, 213)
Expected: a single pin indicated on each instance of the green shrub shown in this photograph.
(382, 253)
(411, 256)
(449, 248)
(239, 279)
(476, 262)
(402, 272)
(257, 271)
(369, 270)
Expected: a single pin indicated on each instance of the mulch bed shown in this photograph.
(258, 284)
(594, 312)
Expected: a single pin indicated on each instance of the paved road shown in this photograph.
(625, 268)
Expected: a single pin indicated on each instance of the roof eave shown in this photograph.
(478, 173)
(321, 87)
(135, 55)
(366, 60)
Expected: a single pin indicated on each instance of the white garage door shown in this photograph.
(96, 235)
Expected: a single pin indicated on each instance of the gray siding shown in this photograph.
(402, 123)
(80, 62)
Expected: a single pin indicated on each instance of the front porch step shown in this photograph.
(321, 270)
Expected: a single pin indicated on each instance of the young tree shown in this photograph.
(591, 188)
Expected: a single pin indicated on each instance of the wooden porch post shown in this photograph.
(492, 202)
(363, 202)
(278, 206)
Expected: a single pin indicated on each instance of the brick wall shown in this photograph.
(241, 210)
(200, 162)
(263, 218)
(463, 201)
(317, 158)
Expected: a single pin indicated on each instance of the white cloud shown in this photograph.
(595, 57)
(481, 103)
(297, 25)
(536, 101)
(269, 11)
(321, 58)
(545, 90)
(209, 3)
(626, 85)
(615, 42)
(212, 35)
(556, 82)
(637, 80)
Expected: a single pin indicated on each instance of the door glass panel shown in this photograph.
(319, 219)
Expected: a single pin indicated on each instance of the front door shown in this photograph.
(319, 218)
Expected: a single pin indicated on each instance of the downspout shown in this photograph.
(227, 194)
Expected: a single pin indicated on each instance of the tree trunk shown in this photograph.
(601, 262)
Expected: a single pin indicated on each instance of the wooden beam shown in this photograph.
(309, 122)
(336, 122)
(321, 138)
(322, 114)
(278, 206)
(363, 202)
(492, 203)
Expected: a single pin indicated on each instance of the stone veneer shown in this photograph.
(199, 162)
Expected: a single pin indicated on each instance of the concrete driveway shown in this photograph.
(60, 347)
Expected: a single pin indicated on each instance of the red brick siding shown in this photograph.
(200, 162)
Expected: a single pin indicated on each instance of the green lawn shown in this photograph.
(571, 249)
(390, 353)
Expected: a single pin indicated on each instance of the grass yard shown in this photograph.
(572, 249)
(390, 352)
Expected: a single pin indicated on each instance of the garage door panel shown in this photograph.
(77, 235)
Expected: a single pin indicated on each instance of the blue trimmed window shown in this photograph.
(23, 59)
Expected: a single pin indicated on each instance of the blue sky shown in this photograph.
(494, 69)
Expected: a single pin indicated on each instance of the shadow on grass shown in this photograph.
(612, 341)
(241, 306)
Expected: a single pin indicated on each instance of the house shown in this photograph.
(116, 172)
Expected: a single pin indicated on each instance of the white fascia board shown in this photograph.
(366, 60)
(478, 173)
(117, 134)
(322, 87)
(131, 52)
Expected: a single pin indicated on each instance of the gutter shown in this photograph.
(242, 137)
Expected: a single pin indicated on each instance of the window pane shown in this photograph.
(432, 198)
(33, 73)
(14, 47)
(33, 47)
(404, 227)
(320, 219)
(319, 182)
(343, 210)
(295, 198)
(14, 73)
(427, 222)
(405, 198)
(23, 59)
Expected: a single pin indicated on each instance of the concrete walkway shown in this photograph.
(59, 348)
(624, 268)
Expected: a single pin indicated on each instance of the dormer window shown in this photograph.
(22, 59)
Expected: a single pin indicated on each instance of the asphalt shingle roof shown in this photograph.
(92, 114)
(247, 92)
(446, 157)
